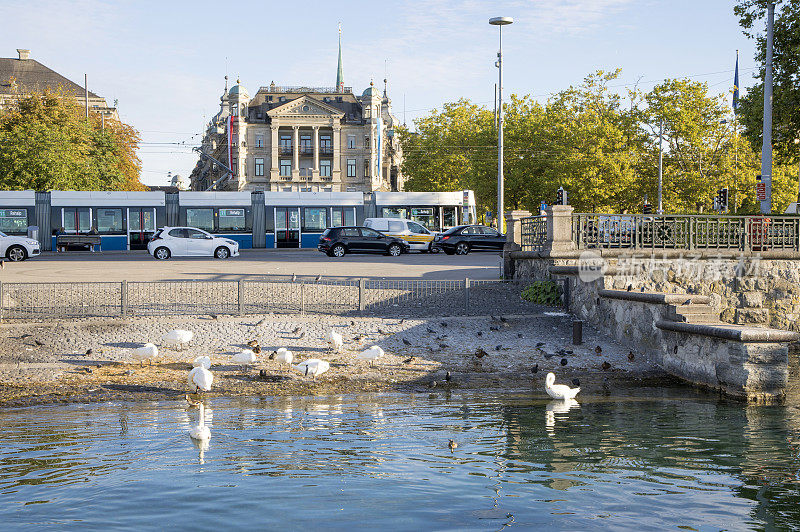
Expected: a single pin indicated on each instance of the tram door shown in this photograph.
(141, 226)
(287, 227)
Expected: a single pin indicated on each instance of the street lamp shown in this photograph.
(500, 21)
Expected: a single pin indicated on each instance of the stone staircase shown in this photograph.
(693, 311)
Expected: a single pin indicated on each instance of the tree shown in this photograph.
(46, 143)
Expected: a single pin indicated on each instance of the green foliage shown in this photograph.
(543, 293)
(46, 143)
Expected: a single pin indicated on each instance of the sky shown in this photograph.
(165, 62)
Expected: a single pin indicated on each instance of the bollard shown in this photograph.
(240, 296)
(577, 332)
(123, 298)
(302, 298)
(361, 287)
(466, 295)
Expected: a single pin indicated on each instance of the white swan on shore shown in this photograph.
(313, 367)
(244, 358)
(284, 356)
(203, 361)
(559, 391)
(200, 378)
(146, 352)
(371, 354)
(199, 431)
(335, 340)
(178, 337)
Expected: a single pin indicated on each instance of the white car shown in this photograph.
(190, 242)
(18, 248)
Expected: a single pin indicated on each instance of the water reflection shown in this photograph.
(633, 462)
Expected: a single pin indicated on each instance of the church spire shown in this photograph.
(339, 75)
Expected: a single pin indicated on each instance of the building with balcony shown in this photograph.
(301, 139)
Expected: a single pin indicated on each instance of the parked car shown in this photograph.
(337, 241)
(17, 248)
(190, 242)
(462, 239)
(419, 237)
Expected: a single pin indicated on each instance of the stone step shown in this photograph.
(691, 309)
(692, 313)
(695, 318)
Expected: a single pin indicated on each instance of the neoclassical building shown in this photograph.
(302, 139)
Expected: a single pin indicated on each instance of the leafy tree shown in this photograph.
(46, 143)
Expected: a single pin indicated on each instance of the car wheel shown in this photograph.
(462, 248)
(162, 253)
(16, 253)
(337, 251)
(222, 252)
(395, 250)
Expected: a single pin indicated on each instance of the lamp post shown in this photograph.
(766, 147)
(500, 22)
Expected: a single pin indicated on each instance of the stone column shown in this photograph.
(337, 150)
(513, 239)
(315, 170)
(559, 229)
(273, 148)
(295, 151)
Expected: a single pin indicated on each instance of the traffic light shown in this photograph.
(561, 196)
(721, 201)
(647, 208)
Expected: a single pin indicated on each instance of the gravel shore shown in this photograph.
(91, 359)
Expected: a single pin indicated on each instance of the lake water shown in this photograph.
(382, 461)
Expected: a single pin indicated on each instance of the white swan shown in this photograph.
(147, 352)
(199, 431)
(313, 367)
(178, 337)
(203, 361)
(200, 378)
(335, 340)
(372, 354)
(245, 358)
(559, 391)
(284, 356)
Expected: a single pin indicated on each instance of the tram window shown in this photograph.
(394, 212)
(343, 217)
(13, 220)
(200, 218)
(449, 217)
(77, 220)
(109, 221)
(231, 220)
(315, 219)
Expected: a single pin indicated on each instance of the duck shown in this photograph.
(200, 378)
(178, 337)
(202, 361)
(199, 431)
(559, 391)
(371, 354)
(313, 367)
(244, 358)
(284, 356)
(335, 340)
(147, 352)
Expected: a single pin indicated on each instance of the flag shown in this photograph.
(736, 85)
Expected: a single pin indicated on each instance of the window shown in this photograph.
(371, 233)
(195, 234)
(77, 220)
(417, 229)
(351, 231)
(109, 221)
(200, 218)
(396, 227)
(325, 168)
(325, 144)
(259, 141)
(259, 167)
(286, 167)
(315, 219)
(342, 216)
(488, 231)
(469, 231)
(351, 167)
(449, 217)
(287, 189)
(351, 142)
(424, 216)
(305, 189)
(394, 212)
(366, 167)
(285, 144)
(232, 220)
(305, 145)
(14, 220)
(178, 233)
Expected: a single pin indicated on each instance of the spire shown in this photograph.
(339, 75)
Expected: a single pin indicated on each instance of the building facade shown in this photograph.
(301, 139)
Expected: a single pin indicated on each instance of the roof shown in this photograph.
(30, 76)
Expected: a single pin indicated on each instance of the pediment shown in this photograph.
(305, 107)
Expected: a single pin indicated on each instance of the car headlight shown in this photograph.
(231, 243)
(32, 242)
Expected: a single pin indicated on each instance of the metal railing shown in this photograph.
(278, 294)
(301, 89)
(689, 232)
(534, 233)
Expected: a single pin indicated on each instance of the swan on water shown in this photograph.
(335, 340)
(147, 352)
(284, 356)
(203, 361)
(313, 367)
(372, 354)
(244, 358)
(559, 391)
(178, 337)
(199, 431)
(200, 378)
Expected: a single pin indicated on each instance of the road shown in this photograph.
(252, 264)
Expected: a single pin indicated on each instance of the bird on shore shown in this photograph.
(272, 355)
(444, 324)
(297, 330)
(405, 341)
(202, 361)
(199, 431)
(409, 360)
(598, 350)
(40, 343)
(301, 335)
(371, 354)
(318, 279)
(178, 337)
(631, 356)
(257, 349)
(313, 367)
(563, 361)
(294, 277)
(252, 343)
(605, 366)
(576, 381)
(146, 352)
(687, 302)
(479, 334)
(559, 391)
(480, 353)
(452, 445)
(430, 331)
(539, 344)
(200, 378)
(494, 328)
(498, 347)
(244, 358)
(88, 351)
(630, 287)
(335, 340)
(448, 377)
(284, 356)
(535, 368)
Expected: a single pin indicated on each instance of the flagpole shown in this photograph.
(735, 105)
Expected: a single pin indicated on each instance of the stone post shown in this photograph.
(295, 152)
(513, 239)
(273, 147)
(559, 229)
(315, 170)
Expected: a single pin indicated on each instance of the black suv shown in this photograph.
(336, 241)
(462, 239)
